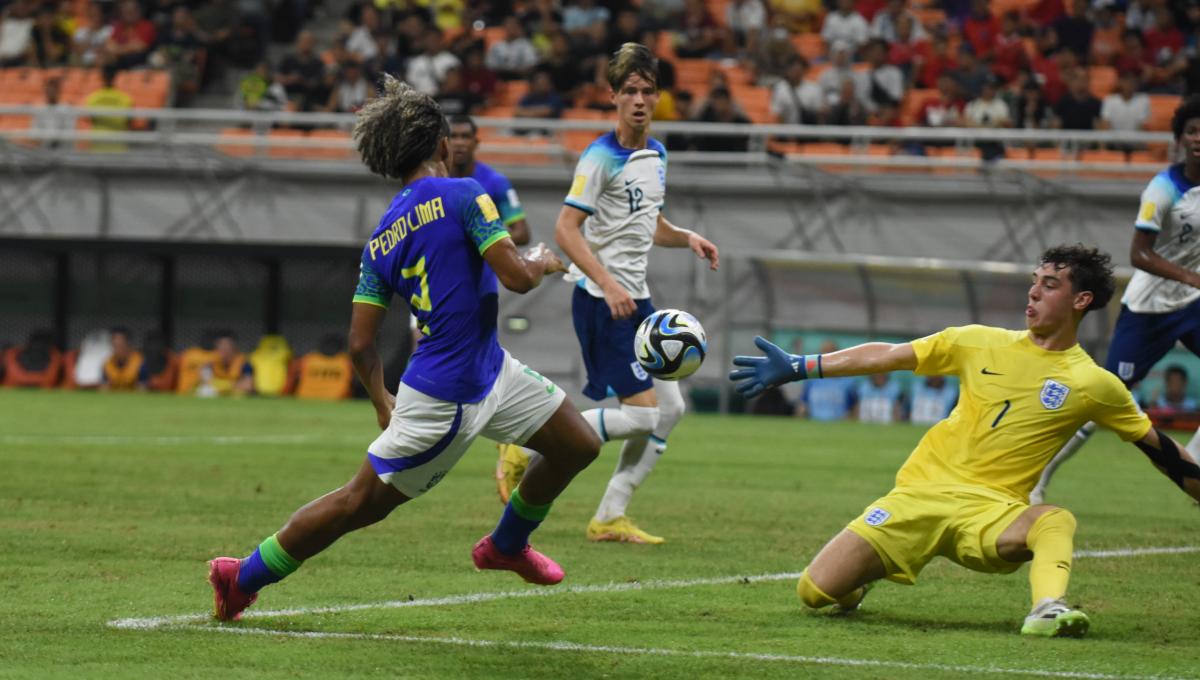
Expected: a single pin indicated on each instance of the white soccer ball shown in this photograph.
(670, 344)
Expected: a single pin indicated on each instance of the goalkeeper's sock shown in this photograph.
(269, 563)
(519, 520)
(622, 423)
(1051, 540)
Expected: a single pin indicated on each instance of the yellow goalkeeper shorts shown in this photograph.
(912, 525)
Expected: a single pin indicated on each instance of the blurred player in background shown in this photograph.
(1162, 303)
(464, 140)
(963, 492)
(442, 246)
(612, 217)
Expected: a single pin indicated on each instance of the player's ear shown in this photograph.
(1083, 301)
(443, 150)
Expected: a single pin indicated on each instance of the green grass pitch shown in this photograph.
(110, 505)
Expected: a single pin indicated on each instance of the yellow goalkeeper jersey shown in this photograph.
(1018, 404)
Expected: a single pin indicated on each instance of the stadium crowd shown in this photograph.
(1070, 64)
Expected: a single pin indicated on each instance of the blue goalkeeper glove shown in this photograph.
(760, 373)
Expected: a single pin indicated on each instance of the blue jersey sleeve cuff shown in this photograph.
(1145, 226)
(580, 206)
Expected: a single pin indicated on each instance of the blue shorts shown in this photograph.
(607, 346)
(1142, 340)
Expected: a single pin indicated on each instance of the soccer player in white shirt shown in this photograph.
(611, 218)
(1162, 303)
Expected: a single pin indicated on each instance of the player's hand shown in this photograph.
(620, 302)
(760, 373)
(550, 261)
(383, 412)
(705, 250)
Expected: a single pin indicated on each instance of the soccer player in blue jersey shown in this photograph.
(440, 245)
(464, 139)
(1162, 302)
(611, 218)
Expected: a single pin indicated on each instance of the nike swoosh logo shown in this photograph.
(987, 372)
(629, 181)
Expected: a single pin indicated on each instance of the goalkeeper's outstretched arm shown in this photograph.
(1169, 458)
(756, 374)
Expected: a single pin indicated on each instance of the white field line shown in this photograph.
(168, 440)
(153, 622)
(564, 646)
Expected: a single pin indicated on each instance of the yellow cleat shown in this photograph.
(510, 468)
(621, 530)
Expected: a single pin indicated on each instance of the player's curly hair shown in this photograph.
(631, 58)
(399, 129)
(1188, 110)
(1091, 269)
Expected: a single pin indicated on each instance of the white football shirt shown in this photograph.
(622, 191)
(1170, 208)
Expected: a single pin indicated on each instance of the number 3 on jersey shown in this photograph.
(421, 305)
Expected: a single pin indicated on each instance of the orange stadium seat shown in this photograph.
(1001, 7)
(495, 151)
(508, 93)
(756, 102)
(232, 149)
(17, 374)
(578, 140)
(827, 149)
(690, 73)
(287, 151)
(1102, 81)
(930, 18)
(1162, 108)
(498, 112)
(810, 46)
(22, 81)
(492, 35)
(716, 8)
(914, 99)
(339, 154)
(150, 89)
(664, 46)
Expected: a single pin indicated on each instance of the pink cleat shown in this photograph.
(228, 601)
(529, 564)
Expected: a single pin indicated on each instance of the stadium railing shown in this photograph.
(253, 137)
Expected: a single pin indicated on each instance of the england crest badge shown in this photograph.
(1054, 394)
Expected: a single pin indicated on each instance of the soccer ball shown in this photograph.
(670, 344)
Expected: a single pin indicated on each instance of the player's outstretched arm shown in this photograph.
(756, 374)
(519, 272)
(1166, 455)
(569, 237)
(1143, 256)
(365, 320)
(670, 236)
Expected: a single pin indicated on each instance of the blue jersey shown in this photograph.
(878, 404)
(502, 192)
(829, 398)
(429, 248)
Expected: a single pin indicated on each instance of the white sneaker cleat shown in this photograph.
(1054, 618)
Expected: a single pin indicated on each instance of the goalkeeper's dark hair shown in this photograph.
(1188, 110)
(399, 129)
(1091, 270)
(631, 58)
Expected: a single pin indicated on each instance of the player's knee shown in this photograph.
(670, 409)
(642, 419)
(1060, 519)
(811, 594)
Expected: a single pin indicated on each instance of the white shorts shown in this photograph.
(427, 436)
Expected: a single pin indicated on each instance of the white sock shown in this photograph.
(622, 423)
(639, 455)
(1069, 449)
(1193, 447)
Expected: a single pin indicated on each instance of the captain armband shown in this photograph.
(1175, 464)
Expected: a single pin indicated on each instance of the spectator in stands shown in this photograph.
(90, 37)
(541, 101)
(907, 46)
(1174, 397)
(477, 77)
(1134, 58)
(109, 97)
(848, 106)
(746, 21)
(37, 363)
(795, 100)
(426, 70)
(1106, 35)
(178, 51)
(50, 45)
(883, 83)
(1164, 42)
(1139, 15)
(454, 98)
(132, 36)
(564, 69)
(880, 400)
(302, 74)
(361, 42)
(16, 32)
(50, 117)
(698, 36)
(386, 60)
(260, 90)
(988, 111)
(845, 25)
(1053, 73)
(943, 110)
(326, 373)
(774, 54)
(228, 373)
(585, 21)
(932, 60)
(798, 16)
(123, 369)
(160, 366)
(512, 58)
(981, 29)
(886, 23)
(1125, 110)
(1078, 109)
(1031, 110)
(971, 74)
(625, 29)
(932, 400)
(350, 89)
(1008, 56)
(661, 14)
(840, 68)
(827, 399)
(721, 109)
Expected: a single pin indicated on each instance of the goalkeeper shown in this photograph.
(963, 492)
